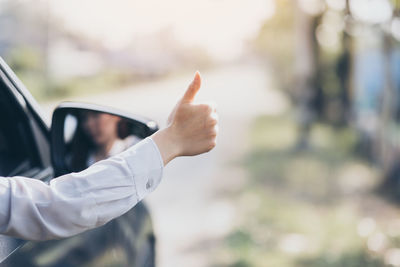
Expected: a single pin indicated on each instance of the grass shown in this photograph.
(315, 207)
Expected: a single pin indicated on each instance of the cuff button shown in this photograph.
(149, 184)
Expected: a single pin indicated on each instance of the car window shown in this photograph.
(16, 155)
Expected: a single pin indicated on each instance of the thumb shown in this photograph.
(192, 89)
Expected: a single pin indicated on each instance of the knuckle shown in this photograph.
(211, 145)
(212, 122)
(207, 108)
(215, 130)
(212, 133)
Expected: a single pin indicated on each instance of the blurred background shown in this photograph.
(306, 171)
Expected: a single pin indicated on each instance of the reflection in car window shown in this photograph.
(70, 125)
(14, 149)
(92, 136)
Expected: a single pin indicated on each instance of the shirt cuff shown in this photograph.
(160, 159)
(146, 165)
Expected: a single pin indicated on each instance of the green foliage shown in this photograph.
(349, 259)
(275, 40)
(106, 80)
(24, 59)
(276, 36)
(302, 208)
(29, 65)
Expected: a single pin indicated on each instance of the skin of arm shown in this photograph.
(191, 129)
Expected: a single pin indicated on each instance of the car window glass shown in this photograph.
(15, 156)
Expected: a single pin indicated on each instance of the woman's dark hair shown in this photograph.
(82, 143)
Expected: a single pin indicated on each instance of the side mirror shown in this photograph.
(82, 134)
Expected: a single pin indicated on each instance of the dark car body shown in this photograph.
(25, 150)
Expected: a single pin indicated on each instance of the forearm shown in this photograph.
(73, 203)
(167, 146)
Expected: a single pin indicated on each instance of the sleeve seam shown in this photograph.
(133, 179)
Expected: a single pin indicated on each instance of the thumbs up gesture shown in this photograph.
(192, 128)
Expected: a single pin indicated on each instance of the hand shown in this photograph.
(192, 128)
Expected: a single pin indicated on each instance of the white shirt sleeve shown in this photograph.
(70, 204)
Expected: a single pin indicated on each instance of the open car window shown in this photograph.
(16, 147)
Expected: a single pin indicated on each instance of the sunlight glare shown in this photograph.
(220, 26)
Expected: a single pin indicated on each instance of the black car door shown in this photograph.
(25, 151)
(24, 146)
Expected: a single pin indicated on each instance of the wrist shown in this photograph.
(167, 145)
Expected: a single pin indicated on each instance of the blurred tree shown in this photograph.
(307, 87)
(344, 68)
(390, 96)
(387, 152)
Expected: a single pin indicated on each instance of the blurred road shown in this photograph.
(190, 211)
